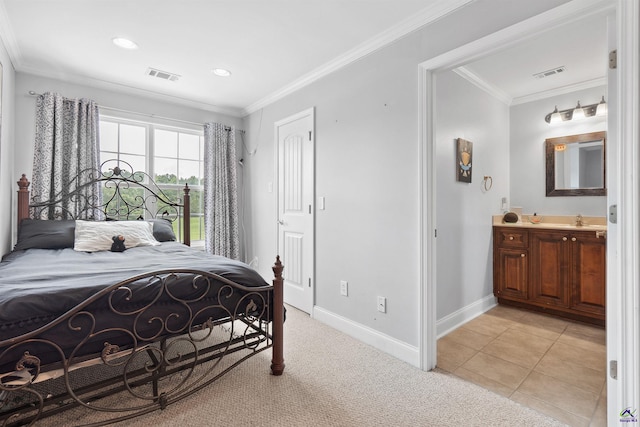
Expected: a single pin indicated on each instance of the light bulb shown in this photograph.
(124, 43)
(556, 117)
(221, 72)
(602, 108)
(578, 113)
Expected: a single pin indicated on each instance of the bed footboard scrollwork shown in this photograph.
(140, 345)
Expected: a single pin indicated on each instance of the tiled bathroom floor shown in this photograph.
(553, 365)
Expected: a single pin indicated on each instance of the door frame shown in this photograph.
(623, 297)
(309, 112)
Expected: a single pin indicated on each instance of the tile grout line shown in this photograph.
(537, 363)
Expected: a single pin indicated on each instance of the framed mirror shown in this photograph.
(575, 165)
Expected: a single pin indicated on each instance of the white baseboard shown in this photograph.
(382, 342)
(462, 316)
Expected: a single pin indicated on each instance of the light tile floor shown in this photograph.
(553, 365)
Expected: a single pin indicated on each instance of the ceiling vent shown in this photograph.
(164, 75)
(549, 73)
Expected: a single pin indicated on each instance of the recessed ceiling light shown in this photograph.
(221, 72)
(124, 43)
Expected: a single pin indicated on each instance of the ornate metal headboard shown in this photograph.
(126, 194)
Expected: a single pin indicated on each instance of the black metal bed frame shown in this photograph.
(118, 176)
(193, 344)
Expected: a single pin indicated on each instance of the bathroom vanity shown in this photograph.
(554, 266)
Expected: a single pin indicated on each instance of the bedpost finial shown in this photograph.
(277, 267)
(23, 182)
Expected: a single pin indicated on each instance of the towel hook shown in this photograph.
(487, 183)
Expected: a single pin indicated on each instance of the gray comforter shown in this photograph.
(37, 285)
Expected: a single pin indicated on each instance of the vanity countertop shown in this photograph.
(557, 222)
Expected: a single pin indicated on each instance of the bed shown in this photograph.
(81, 320)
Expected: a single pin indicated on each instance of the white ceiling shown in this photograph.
(270, 46)
(580, 47)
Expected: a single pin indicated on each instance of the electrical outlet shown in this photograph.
(382, 304)
(344, 288)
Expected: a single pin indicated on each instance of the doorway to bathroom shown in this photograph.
(431, 72)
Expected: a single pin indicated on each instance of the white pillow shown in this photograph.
(93, 236)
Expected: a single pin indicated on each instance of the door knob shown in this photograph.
(281, 222)
(564, 239)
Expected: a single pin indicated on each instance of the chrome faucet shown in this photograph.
(579, 220)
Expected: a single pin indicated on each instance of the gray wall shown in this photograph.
(464, 251)
(367, 168)
(528, 132)
(7, 176)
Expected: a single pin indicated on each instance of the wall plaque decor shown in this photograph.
(464, 159)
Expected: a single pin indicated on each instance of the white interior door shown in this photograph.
(295, 154)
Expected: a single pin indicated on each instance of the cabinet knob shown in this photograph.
(522, 255)
(573, 239)
(510, 237)
(564, 239)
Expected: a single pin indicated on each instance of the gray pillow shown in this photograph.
(45, 234)
(60, 234)
(163, 230)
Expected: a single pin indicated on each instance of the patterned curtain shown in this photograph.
(220, 191)
(66, 156)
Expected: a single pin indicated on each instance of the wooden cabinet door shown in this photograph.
(511, 273)
(549, 268)
(588, 273)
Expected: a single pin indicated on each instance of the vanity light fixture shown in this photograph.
(578, 113)
(124, 43)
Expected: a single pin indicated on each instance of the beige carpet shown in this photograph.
(332, 379)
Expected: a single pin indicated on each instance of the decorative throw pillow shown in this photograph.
(94, 236)
(45, 234)
(163, 230)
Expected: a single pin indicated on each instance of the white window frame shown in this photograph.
(150, 128)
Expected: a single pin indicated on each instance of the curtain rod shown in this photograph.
(120, 110)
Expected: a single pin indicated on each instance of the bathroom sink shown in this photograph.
(591, 227)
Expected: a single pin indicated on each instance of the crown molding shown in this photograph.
(476, 80)
(131, 90)
(433, 12)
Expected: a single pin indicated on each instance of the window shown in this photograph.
(172, 156)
